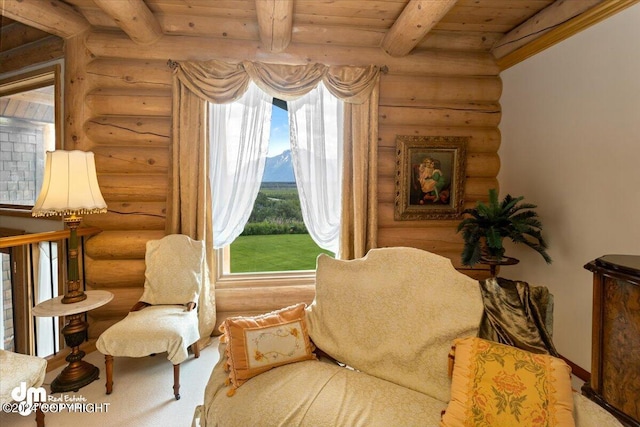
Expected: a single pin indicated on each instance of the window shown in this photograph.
(6, 304)
(29, 276)
(29, 127)
(275, 238)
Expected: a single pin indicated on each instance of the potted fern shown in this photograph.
(489, 224)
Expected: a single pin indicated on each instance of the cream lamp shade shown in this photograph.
(70, 189)
(70, 185)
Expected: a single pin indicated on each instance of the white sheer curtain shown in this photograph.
(317, 139)
(47, 278)
(239, 141)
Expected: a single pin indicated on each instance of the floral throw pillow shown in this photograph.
(499, 385)
(257, 344)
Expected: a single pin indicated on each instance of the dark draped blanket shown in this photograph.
(514, 314)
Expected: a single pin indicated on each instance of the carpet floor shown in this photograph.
(142, 394)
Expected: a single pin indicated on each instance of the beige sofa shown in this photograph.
(391, 317)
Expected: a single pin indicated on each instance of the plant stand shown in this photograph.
(494, 263)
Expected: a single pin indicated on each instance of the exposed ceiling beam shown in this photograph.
(547, 19)
(52, 16)
(415, 21)
(134, 18)
(275, 21)
(179, 48)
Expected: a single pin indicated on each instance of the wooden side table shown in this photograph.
(615, 352)
(77, 373)
(493, 263)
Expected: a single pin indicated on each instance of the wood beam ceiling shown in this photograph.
(134, 18)
(547, 19)
(275, 22)
(562, 31)
(52, 16)
(277, 33)
(415, 21)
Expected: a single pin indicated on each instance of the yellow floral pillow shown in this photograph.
(499, 385)
(257, 344)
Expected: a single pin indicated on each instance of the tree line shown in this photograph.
(275, 211)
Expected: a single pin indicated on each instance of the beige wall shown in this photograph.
(571, 145)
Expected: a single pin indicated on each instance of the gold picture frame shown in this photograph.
(430, 172)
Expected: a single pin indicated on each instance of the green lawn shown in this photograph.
(280, 252)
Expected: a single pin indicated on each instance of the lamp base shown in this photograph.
(74, 379)
(77, 373)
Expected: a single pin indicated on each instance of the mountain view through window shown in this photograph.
(275, 237)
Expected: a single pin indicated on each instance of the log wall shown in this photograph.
(118, 105)
(122, 112)
(438, 105)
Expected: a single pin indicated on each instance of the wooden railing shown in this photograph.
(48, 236)
(30, 276)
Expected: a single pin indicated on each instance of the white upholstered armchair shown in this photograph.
(165, 319)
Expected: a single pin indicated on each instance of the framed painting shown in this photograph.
(430, 173)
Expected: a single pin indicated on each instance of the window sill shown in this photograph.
(246, 280)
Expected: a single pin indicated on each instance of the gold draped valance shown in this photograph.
(220, 82)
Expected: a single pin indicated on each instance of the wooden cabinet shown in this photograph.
(615, 354)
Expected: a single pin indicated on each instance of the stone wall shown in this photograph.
(21, 162)
(7, 306)
(21, 172)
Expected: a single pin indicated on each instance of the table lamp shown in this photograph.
(70, 189)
